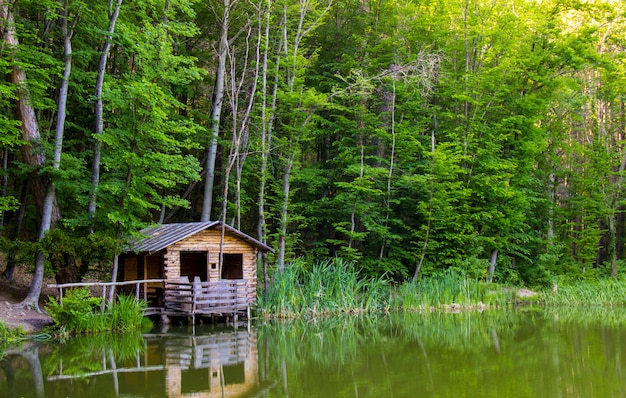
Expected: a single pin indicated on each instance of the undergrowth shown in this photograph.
(79, 313)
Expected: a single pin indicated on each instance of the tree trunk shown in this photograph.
(42, 191)
(430, 200)
(31, 356)
(391, 166)
(216, 113)
(241, 119)
(99, 110)
(114, 270)
(267, 122)
(32, 299)
(283, 216)
(31, 150)
(492, 265)
(4, 184)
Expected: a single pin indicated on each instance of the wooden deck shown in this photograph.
(226, 297)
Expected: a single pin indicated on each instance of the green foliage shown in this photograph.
(87, 252)
(328, 287)
(82, 313)
(78, 312)
(450, 289)
(587, 293)
(9, 336)
(431, 133)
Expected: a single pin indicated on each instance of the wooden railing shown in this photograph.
(224, 297)
(140, 291)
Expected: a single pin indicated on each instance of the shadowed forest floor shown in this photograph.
(12, 293)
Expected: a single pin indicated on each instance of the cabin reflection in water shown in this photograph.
(184, 365)
(215, 365)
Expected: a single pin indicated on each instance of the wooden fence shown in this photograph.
(140, 287)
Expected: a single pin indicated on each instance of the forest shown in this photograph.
(405, 137)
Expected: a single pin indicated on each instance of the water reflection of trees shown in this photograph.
(508, 353)
(407, 355)
(17, 363)
(473, 331)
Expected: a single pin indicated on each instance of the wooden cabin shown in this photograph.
(211, 257)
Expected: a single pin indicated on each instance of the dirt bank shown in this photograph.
(12, 314)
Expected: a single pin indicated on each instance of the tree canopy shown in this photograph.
(408, 137)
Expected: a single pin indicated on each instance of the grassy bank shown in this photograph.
(335, 286)
(596, 292)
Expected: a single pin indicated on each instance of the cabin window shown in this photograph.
(232, 266)
(193, 264)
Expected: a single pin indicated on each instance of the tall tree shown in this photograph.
(113, 13)
(48, 214)
(216, 110)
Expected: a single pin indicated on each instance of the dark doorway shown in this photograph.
(234, 374)
(232, 266)
(193, 264)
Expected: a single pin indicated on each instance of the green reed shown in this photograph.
(335, 286)
(344, 340)
(601, 292)
(127, 313)
(332, 286)
(451, 290)
(329, 341)
(590, 316)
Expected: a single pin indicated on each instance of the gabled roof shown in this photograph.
(159, 237)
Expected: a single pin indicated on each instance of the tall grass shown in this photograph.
(126, 314)
(601, 292)
(332, 286)
(335, 286)
(450, 289)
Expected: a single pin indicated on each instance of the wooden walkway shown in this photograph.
(226, 297)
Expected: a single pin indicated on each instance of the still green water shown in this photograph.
(530, 353)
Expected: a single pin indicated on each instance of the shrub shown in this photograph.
(81, 313)
(77, 310)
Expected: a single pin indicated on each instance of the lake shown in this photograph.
(513, 353)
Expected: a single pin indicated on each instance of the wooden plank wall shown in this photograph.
(209, 240)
